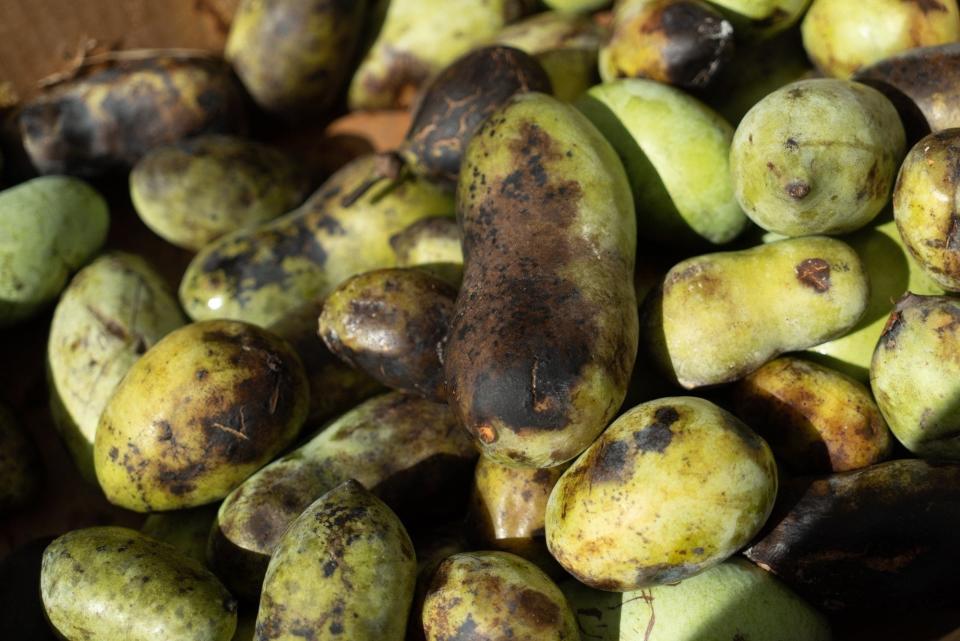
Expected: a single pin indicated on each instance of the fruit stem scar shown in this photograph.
(487, 434)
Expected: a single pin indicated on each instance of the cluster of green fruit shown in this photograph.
(489, 273)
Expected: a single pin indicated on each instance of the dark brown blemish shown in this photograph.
(536, 608)
(699, 43)
(609, 461)
(798, 189)
(791, 144)
(814, 273)
(658, 435)
(461, 98)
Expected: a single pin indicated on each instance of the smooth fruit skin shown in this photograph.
(719, 317)
(113, 311)
(892, 272)
(676, 153)
(201, 411)
(345, 569)
(758, 20)
(735, 599)
(495, 595)
(391, 324)
(817, 157)
(409, 451)
(673, 487)
(914, 375)
(547, 223)
(815, 419)
(49, 227)
(105, 120)
(429, 241)
(196, 191)
(925, 206)
(841, 37)
(259, 275)
(418, 38)
(116, 584)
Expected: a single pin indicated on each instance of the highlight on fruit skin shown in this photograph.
(678, 42)
(841, 36)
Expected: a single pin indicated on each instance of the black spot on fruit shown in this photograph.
(658, 435)
(609, 461)
(814, 273)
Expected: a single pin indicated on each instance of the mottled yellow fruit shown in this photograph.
(672, 488)
(259, 275)
(842, 36)
(200, 412)
(116, 584)
(816, 420)
(892, 272)
(915, 374)
(113, 311)
(295, 56)
(495, 595)
(817, 157)
(507, 510)
(720, 316)
(196, 191)
(925, 206)
(418, 39)
(345, 569)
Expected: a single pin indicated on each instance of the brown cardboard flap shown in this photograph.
(39, 38)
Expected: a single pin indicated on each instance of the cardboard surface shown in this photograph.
(39, 38)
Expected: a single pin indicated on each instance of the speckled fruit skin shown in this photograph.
(507, 510)
(733, 601)
(391, 324)
(678, 42)
(113, 311)
(914, 375)
(675, 150)
(20, 470)
(547, 223)
(295, 57)
(409, 451)
(815, 419)
(892, 272)
(200, 412)
(841, 37)
(193, 192)
(115, 584)
(495, 595)
(925, 206)
(106, 117)
(418, 39)
(817, 157)
(49, 227)
(565, 44)
(258, 275)
(458, 101)
(672, 488)
(719, 317)
(345, 569)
